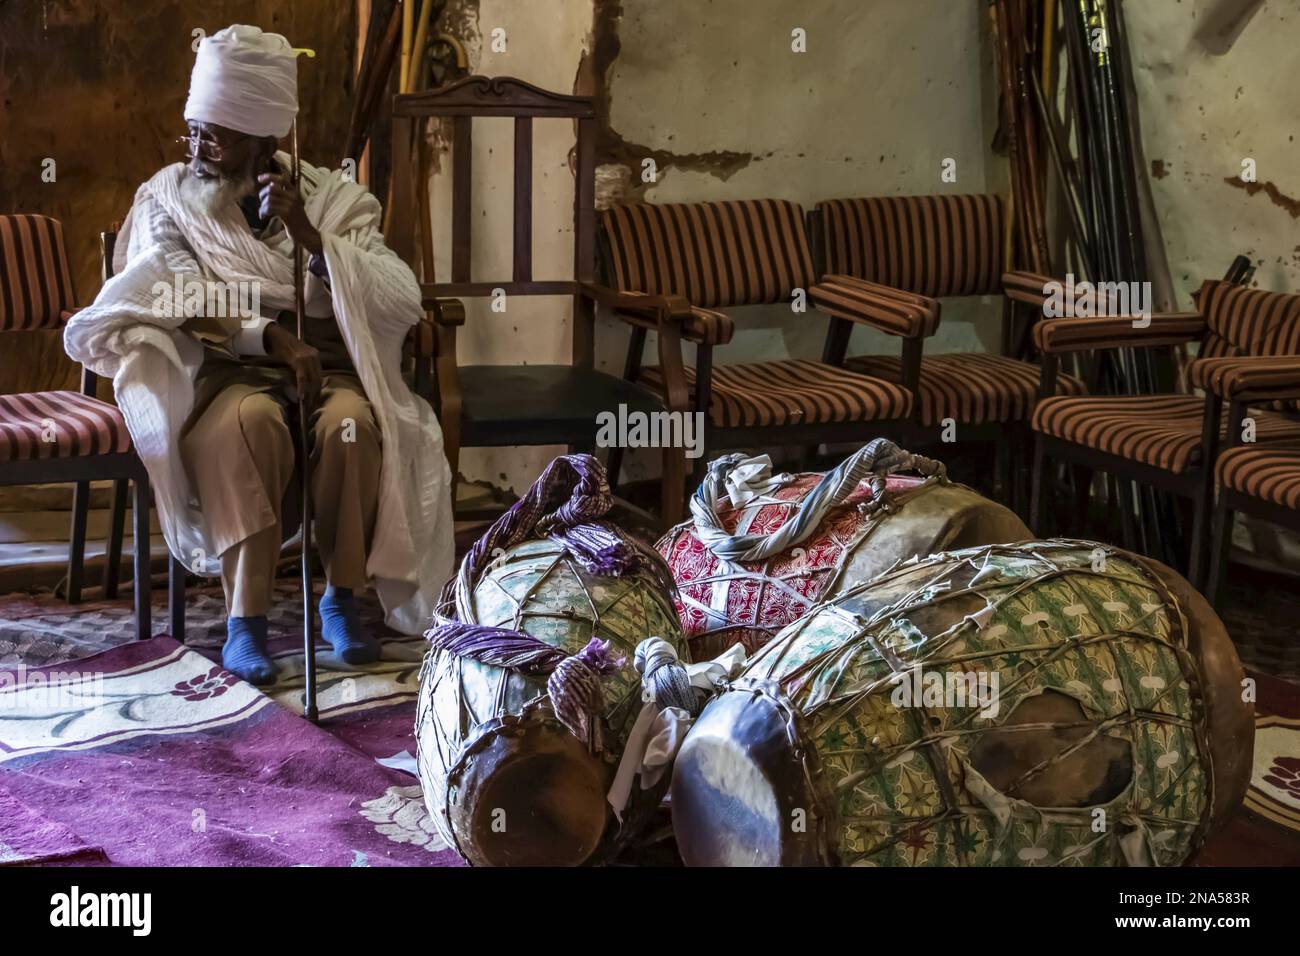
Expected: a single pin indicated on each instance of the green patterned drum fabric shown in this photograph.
(897, 691)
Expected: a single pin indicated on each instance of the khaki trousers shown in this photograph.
(239, 453)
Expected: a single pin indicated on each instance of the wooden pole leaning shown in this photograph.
(309, 709)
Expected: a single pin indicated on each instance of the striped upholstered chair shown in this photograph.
(1259, 480)
(933, 247)
(717, 255)
(1247, 339)
(61, 436)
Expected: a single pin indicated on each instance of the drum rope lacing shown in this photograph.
(869, 630)
(564, 504)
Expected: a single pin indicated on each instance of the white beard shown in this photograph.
(214, 197)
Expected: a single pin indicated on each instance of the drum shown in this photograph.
(1045, 703)
(529, 689)
(760, 550)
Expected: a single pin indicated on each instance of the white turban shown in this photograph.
(245, 80)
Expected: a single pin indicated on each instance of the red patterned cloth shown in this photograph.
(747, 603)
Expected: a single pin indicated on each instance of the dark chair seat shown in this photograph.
(972, 388)
(542, 404)
(38, 425)
(1163, 431)
(1268, 472)
(795, 392)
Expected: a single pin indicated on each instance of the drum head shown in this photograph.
(739, 794)
(531, 796)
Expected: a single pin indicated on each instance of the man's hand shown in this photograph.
(299, 357)
(281, 199)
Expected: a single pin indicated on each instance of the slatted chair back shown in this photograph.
(35, 280)
(461, 102)
(713, 254)
(929, 245)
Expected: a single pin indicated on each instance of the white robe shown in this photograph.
(375, 299)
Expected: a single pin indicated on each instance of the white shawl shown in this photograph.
(376, 300)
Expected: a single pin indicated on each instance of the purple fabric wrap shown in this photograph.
(564, 504)
(498, 646)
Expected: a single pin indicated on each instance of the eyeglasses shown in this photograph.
(208, 149)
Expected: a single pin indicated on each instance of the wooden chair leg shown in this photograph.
(1128, 521)
(116, 529)
(674, 486)
(1002, 469)
(1037, 497)
(1022, 467)
(77, 544)
(176, 599)
(1082, 477)
(1203, 503)
(1221, 550)
(143, 578)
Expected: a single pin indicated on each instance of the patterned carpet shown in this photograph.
(40, 630)
(151, 755)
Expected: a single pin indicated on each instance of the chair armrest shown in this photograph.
(672, 314)
(701, 326)
(1117, 332)
(1027, 287)
(670, 306)
(880, 306)
(446, 312)
(1247, 377)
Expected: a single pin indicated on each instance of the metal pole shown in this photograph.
(304, 472)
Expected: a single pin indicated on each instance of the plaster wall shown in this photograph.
(1216, 86)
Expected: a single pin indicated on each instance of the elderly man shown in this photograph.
(208, 391)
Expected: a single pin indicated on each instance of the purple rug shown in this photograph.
(149, 754)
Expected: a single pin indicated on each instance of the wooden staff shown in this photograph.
(309, 709)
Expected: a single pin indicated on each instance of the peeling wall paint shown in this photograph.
(1208, 101)
(717, 97)
(714, 95)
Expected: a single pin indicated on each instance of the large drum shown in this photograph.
(760, 550)
(1044, 703)
(529, 690)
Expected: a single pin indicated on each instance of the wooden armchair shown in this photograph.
(932, 247)
(524, 404)
(711, 256)
(1171, 441)
(61, 436)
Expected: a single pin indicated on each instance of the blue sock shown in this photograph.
(342, 626)
(244, 652)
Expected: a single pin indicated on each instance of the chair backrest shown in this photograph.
(929, 245)
(735, 252)
(491, 96)
(1244, 321)
(35, 280)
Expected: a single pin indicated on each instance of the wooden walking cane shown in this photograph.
(304, 454)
